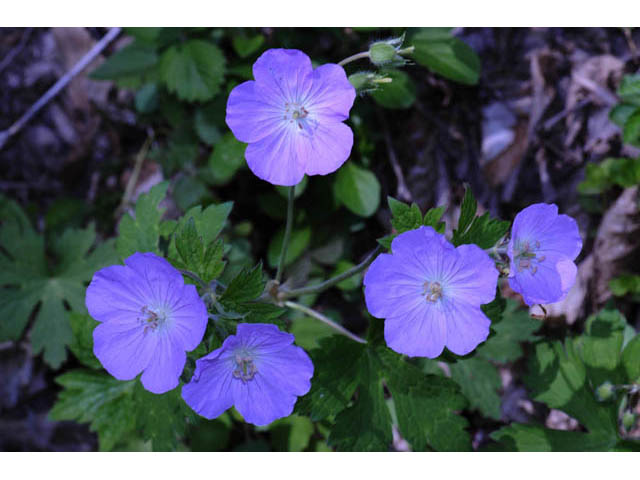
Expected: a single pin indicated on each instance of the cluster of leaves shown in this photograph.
(434, 48)
(567, 376)
(40, 280)
(621, 172)
(348, 392)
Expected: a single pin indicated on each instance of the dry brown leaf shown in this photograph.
(617, 239)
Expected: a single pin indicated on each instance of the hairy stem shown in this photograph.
(325, 320)
(194, 277)
(332, 281)
(287, 234)
(353, 58)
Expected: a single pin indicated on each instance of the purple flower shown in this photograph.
(542, 249)
(430, 294)
(291, 117)
(258, 370)
(149, 318)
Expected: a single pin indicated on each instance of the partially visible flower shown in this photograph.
(149, 318)
(291, 116)
(542, 249)
(257, 370)
(430, 294)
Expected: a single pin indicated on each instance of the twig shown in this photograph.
(59, 85)
(133, 179)
(605, 95)
(332, 281)
(325, 320)
(16, 50)
(550, 123)
(353, 58)
(287, 233)
(632, 45)
(402, 190)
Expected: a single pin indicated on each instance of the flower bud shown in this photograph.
(628, 420)
(382, 53)
(605, 391)
(367, 81)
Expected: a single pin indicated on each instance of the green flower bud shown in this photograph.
(360, 80)
(367, 81)
(628, 420)
(382, 53)
(605, 391)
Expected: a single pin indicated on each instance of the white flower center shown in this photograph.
(296, 115)
(152, 319)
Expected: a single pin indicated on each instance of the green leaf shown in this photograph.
(98, 399)
(631, 360)
(144, 34)
(227, 158)
(336, 367)
(426, 406)
(479, 381)
(205, 122)
(405, 218)
(629, 89)
(483, 231)
(533, 438)
(358, 189)
(625, 284)
(515, 327)
(621, 113)
(624, 172)
(558, 377)
(245, 46)
(369, 417)
(29, 281)
(248, 285)
(468, 210)
(208, 222)
(135, 58)
(82, 326)
(631, 129)
(291, 434)
(146, 100)
(189, 191)
(400, 93)
(446, 55)
(194, 70)
(204, 261)
(298, 243)
(141, 234)
(601, 347)
(160, 418)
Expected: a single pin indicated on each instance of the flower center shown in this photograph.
(151, 319)
(432, 291)
(526, 257)
(295, 113)
(245, 368)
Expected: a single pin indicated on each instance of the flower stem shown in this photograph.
(353, 58)
(325, 320)
(332, 281)
(287, 234)
(193, 277)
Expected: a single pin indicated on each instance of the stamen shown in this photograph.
(525, 258)
(432, 291)
(151, 320)
(245, 368)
